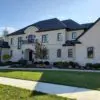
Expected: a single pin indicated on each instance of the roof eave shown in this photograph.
(88, 29)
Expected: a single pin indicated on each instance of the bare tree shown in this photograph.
(41, 51)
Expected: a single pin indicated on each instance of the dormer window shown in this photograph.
(74, 35)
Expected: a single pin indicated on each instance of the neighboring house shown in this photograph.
(65, 40)
(4, 48)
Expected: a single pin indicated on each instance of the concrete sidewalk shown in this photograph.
(60, 90)
(52, 69)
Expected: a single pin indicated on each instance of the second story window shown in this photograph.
(74, 35)
(59, 37)
(11, 42)
(19, 42)
(31, 38)
(45, 38)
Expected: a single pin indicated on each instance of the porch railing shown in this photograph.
(27, 41)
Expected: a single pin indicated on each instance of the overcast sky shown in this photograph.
(16, 14)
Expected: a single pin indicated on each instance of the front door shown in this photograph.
(30, 55)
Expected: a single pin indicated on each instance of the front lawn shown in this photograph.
(80, 79)
(13, 93)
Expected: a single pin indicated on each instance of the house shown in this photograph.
(65, 40)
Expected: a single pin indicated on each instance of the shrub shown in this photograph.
(6, 57)
(30, 66)
(55, 63)
(2, 64)
(89, 66)
(61, 64)
(72, 64)
(65, 64)
(77, 65)
(9, 63)
(96, 66)
(46, 63)
(40, 62)
(22, 62)
(35, 63)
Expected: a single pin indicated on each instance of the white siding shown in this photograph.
(69, 34)
(90, 39)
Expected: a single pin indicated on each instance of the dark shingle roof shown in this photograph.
(46, 25)
(71, 42)
(19, 32)
(51, 24)
(90, 26)
(70, 24)
(54, 24)
(4, 44)
(87, 25)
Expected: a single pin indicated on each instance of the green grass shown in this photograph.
(13, 93)
(79, 79)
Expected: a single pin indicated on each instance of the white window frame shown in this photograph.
(59, 37)
(90, 50)
(11, 53)
(59, 55)
(45, 38)
(11, 41)
(74, 35)
(70, 53)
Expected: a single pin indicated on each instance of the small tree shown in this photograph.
(40, 51)
(44, 52)
(6, 57)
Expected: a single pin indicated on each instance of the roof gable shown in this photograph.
(88, 28)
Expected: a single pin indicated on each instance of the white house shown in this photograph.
(65, 40)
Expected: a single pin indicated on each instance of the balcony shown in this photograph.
(28, 41)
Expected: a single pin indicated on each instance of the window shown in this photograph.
(45, 38)
(59, 53)
(90, 52)
(70, 53)
(31, 38)
(22, 52)
(74, 35)
(11, 53)
(11, 41)
(59, 37)
(19, 42)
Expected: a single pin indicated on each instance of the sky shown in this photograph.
(16, 14)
